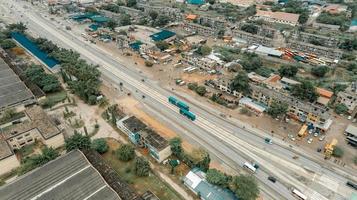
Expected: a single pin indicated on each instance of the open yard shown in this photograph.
(141, 184)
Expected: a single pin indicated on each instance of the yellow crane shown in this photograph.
(329, 148)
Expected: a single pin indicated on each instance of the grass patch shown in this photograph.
(54, 98)
(140, 184)
(10, 118)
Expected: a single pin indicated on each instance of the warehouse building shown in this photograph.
(70, 176)
(13, 92)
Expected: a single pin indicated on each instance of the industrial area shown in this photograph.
(179, 99)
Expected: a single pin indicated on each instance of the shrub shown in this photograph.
(125, 152)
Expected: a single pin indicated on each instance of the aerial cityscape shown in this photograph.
(178, 99)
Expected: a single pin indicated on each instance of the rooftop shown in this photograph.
(154, 139)
(162, 35)
(351, 129)
(195, 179)
(5, 150)
(324, 93)
(293, 18)
(12, 90)
(134, 124)
(191, 17)
(68, 177)
(38, 119)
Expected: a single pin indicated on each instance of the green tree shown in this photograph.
(162, 45)
(100, 145)
(162, 20)
(125, 152)
(341, 108)
(211, 2)
(319, 71)
(111, 24)
(201, 90)
(288, 70)
(216, 177)
(19, 27)
(131, 3)
(245, 187)
(333, 19)
(250, 11)
(153, 14)
(200, 158)
(47, 82)
(7, 44)
(277, 109)
(305, 91)
(77, 141)
(349, 44)
(204, 50)
(240, 83)
(251, 62)
(176, 148)
(142, 167)
(250, 28)
(337, 152)
(125, 20)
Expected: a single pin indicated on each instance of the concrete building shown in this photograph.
(351, 135)
(252, 38)
(199, 29)
(288, 83)
(215, 23)
(278, 17)
(331, 42)
(158, 146)
(299, 110)
(132, 127)
(70, 176)
(204, 63)
(195, 180)
(36, 127)
(349, 98)
(332, 53)
(251, 105)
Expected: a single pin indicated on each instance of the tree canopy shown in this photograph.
(251, 62)
(100, 145)
(319, 71)
(341, 108)
(7, 44)
(47, 82)
(77, 141)
(162, 45)
(142, 167)
(240, 83)
(176, 148)
(288, 70)
(216, 177)
(277, 109)
(305, 91)
(250, 28)
(125, 152)
(204, 50)
(245, 187)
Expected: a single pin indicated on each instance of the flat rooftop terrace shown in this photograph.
(12, 90)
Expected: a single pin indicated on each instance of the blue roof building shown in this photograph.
(34, 49)
(195, 180)
(162, 35)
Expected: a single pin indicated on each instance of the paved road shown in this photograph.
(225, 138)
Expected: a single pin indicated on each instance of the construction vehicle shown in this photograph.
(303, 131)
(329, 147)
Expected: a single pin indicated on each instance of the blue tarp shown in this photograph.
(32, 47)
(196, 2)
(162, 35)
(136, 45)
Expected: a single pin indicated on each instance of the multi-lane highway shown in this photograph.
(224, 138)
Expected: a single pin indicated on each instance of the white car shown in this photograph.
(316, 134)
(322, 137)
(310, 131)
(310, 140)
